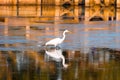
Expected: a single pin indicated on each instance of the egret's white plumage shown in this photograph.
(57, 41)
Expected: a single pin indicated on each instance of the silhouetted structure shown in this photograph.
(61, 2)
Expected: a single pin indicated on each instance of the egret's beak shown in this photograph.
(70, 32)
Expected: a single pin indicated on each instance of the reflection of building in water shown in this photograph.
(17, 64)
(98, 56)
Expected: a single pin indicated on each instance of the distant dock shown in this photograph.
(62, 2)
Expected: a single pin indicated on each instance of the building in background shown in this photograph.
(61, 2)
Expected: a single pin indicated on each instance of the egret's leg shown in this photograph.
(58, 47)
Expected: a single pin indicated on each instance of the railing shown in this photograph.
(60, 2)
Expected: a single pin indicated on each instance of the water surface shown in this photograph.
(91, 50)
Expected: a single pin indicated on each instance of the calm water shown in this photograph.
(91, 50)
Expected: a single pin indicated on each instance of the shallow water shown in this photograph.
(91, 50)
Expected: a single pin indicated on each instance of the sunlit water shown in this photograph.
(91, 50)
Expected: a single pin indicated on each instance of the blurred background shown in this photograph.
(92, 50)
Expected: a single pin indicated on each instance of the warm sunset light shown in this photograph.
(59, 39)
(61, 2)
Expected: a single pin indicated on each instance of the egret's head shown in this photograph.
(66, 31)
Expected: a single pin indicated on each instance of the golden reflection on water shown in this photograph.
(99, 64)
(23, 28)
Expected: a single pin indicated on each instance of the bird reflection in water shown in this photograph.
(55, 53)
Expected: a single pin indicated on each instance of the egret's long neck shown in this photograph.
(63, 35)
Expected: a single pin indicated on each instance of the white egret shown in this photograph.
(57, 41)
